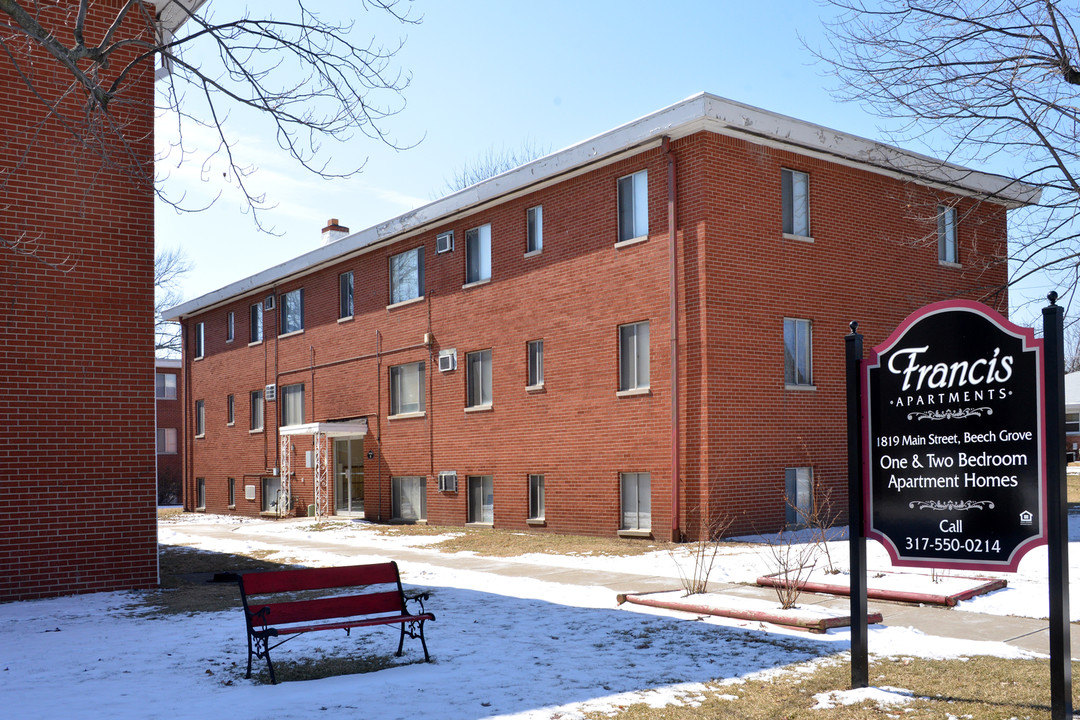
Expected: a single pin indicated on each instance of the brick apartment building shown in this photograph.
(504, 356)
(169, 421)
(76, 323)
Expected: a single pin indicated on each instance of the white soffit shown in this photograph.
(697, 113)
(329, 429)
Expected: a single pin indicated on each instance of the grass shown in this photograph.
(1072, 489)
(981, 687)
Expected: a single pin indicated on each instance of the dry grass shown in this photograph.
(1072, 483)
(505, 543)
(983, 688)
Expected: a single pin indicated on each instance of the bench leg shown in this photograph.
(427, 658)
(401, 640)
(261, 649)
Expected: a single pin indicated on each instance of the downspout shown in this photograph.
(378, 414)
(676, 534)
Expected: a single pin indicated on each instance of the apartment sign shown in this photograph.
(954, 440)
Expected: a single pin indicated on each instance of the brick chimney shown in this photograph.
(333, 231)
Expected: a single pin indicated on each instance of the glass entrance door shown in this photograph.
(349, 476)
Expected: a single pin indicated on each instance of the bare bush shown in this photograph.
(795, 562)
(703, 551)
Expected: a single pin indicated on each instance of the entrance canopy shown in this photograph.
(327, 429)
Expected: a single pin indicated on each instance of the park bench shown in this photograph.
(374, 597)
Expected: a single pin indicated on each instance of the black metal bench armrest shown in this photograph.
(417, 597)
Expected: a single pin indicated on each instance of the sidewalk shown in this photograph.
(1026, 633)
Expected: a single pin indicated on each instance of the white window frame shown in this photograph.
(292, 312)
(200, 418)
(798, 353)
(478, 254)
(407, 389)
(200, 340)
(795, 202)
(536, 497)
(232, 492)
(200, 493)
(403, 267)
(230, 409)
(798, 495)
(478, 390)
(481, 499)
(534, 230)
(633, 207)
(255, 323)
(948, 247)
(289, 397)
(535, 357)
(230, 326)
(634, 357)
(256, 396)
(1072, 423)
(346, 297)
(635, 508)
(166, 441)
(163, 389)
(411, 482)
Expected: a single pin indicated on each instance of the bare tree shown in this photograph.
(492, 162)
(169, 267)
(980, 83)
(316, 81)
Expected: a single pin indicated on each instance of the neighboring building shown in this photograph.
(76, 323)
(168, 389)
(1072, 416)
(503, 356)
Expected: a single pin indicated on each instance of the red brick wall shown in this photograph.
(738, 279)
(170, 414)
(77, 366)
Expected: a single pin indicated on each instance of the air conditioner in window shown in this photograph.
(447, 360)
(271, 392)
(444, 242)
(268, 303)
(448, 481)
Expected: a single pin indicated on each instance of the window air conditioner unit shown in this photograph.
(447, 360)
(268, 303)
(249, 492)
(448, 481)
(444, 242)
(271, 392)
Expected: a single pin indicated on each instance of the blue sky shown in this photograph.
(497, 74)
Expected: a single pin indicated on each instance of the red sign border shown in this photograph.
(1031, 343)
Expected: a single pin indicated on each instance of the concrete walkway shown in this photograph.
(1027, 633)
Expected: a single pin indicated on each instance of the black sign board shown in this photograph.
(953, 440)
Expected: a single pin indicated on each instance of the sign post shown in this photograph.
(860, 655)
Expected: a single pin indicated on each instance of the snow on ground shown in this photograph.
(503, 647)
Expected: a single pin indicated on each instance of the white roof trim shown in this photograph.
(174, 13)
(697, 113)
(329, 429)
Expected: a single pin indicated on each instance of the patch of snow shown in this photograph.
(881, 696)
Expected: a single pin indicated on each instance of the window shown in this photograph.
(165, 386)
(795, 194)
(200, 418)
(636, 489)
(166, 441)
(292, 311)
(536, 497)
(230, 410)
(536, 363)
(232, 492)
(407, 275)
(256, 334)
(946, 235)
(408, 498)
(634, 206)
(345, 295)
(481, 499)
(271, 494)
(407, 389)
(200, 345)
(798, 494)
(634, 356)
(478, 254)
(534, 223)
(200, 493)
(230, 326)
(1072, 423)
(478, 378)
(256, 409)
(292, 404)
(797, 352)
